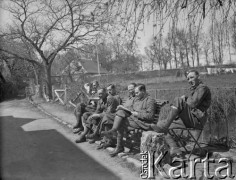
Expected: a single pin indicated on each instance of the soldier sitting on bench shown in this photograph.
(139, 115)
(108, 119)
(113, 101)
(106, 104)
(81, 108)
(192, 110)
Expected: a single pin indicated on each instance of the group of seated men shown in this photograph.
(108, 117)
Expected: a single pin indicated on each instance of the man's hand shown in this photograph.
(92, 102)
(134, 113)
(118, 107)
(184, 97)
(95, 116)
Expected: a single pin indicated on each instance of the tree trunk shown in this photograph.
(2, 78)
(197, 51)
(186, 49)
(170, 58)
(152, 65)
(36, 75)
(170, 64)
(41, 80)
(206, 55)
(49, 80)
(191, 45)
(165, 65)
(181, 58)
(193, 58)
(198, 60)
(176, 60)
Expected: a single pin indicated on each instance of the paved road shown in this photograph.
(36, 147)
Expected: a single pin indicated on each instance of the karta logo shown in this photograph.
(150, 165)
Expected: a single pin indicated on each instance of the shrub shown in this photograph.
(7, 90)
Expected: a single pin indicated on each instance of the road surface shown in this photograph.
(35, 147)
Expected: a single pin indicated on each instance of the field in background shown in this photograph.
(164, 82)
(217, 81)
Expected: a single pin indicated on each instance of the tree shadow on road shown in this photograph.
(44, 154)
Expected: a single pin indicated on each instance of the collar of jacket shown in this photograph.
(140, 99)
(192, 88)
(104, 100)
(130, 97)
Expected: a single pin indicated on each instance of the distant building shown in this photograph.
(219, 69)
(88, 67)
(75, 69)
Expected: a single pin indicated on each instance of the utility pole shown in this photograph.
(98, 60)
(99, 73)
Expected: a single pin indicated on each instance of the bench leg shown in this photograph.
(195, 142)
(172, 132)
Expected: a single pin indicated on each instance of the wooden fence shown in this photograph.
(60, 95)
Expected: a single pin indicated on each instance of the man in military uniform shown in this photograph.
(81, 108)
(192, 110)
(140, 115)
(108, 118)
(105, 104)
(113, 101)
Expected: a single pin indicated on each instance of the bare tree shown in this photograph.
(206, 47)
(133, 14)
(150, 53)
(234, 32)
(49, 27)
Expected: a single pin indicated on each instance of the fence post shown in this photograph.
(65, 95)
(53, 93)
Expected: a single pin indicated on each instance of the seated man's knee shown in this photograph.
(121, 114)
(177, 100)
(85, 117)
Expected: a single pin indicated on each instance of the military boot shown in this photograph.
(94, 135)
(162, 126)
(117, 124)
(78, 121)
(119, 146)
(82, 137)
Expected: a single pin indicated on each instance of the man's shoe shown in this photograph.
(80, 139)
(78, 130)
(92, 136)
(104, 146)
(91, 141)
(117, 151)
(107, 133)
(100, 146)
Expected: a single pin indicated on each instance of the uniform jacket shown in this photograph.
(199, 101)
(129, 102)
(199, 98)
(145, 107)
(107, 105)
